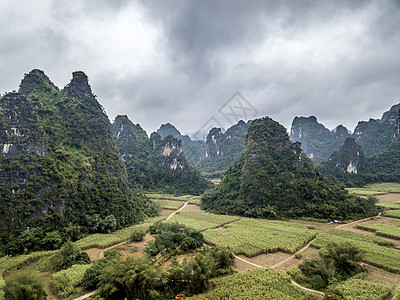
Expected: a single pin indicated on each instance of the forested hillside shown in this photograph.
(273, 178)
(61, 173)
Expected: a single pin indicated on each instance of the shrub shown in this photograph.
(138, 235)
(69, 255)
(24, 286)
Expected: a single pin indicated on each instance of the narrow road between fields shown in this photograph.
(358, 221)
(182, 207)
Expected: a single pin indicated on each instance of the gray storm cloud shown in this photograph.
(180, 61)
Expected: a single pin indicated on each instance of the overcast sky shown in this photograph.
(181, 61)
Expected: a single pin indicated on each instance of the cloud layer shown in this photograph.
(180, 61)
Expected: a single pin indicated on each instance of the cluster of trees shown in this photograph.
(172, 236)
(137, 277)
(50, 232)
(339, 263)
(274, 179)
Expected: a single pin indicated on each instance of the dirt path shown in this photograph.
(86, 295)
(292, 281)
(358, 221)
(182, 207)
(293, 256)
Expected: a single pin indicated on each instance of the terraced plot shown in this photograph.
(392, 214)
(376, 253)
(169, 204)
(261, 283)
(388, 231)
(201, 220)
(359, 289)
(253, 236)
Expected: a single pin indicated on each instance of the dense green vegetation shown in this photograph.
(261, 283)
(155, 164)
(24, 285)
(273, 179)
(392, 213)
(173, 236)
(138, 278)
(62, 174)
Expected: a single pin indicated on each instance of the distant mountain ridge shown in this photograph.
(155, 163)
(319, 143)
(220, 150)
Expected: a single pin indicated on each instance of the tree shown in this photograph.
(69, 255)
(133, 278)
(23, 285)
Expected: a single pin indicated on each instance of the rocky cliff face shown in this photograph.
(273, 179)
(155, 163)
(349, 159)
(317, 141)
(58, 159)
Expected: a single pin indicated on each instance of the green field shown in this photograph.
(169, 204)
(388, 231)
(390, 205)
(254, 236)
(104, 240)
(201, 220)
(376, 253)
(262, 283)
(376, 189)
(65, 283)
(393, 214)
(358, 289)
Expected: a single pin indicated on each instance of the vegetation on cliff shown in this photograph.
(274, 179)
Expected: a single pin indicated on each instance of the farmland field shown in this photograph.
(388, 231)
(169, 204)
(201, 220)
(359, 289)
(104, 240)
(262, 283)
(376, 189)
(376, 253)
(392, 214)
(253, 236)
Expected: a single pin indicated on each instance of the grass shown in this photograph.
(201, 220)
(261, 283)
(376, 253)
(376, 189)
(169, 204)
(254, 236)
